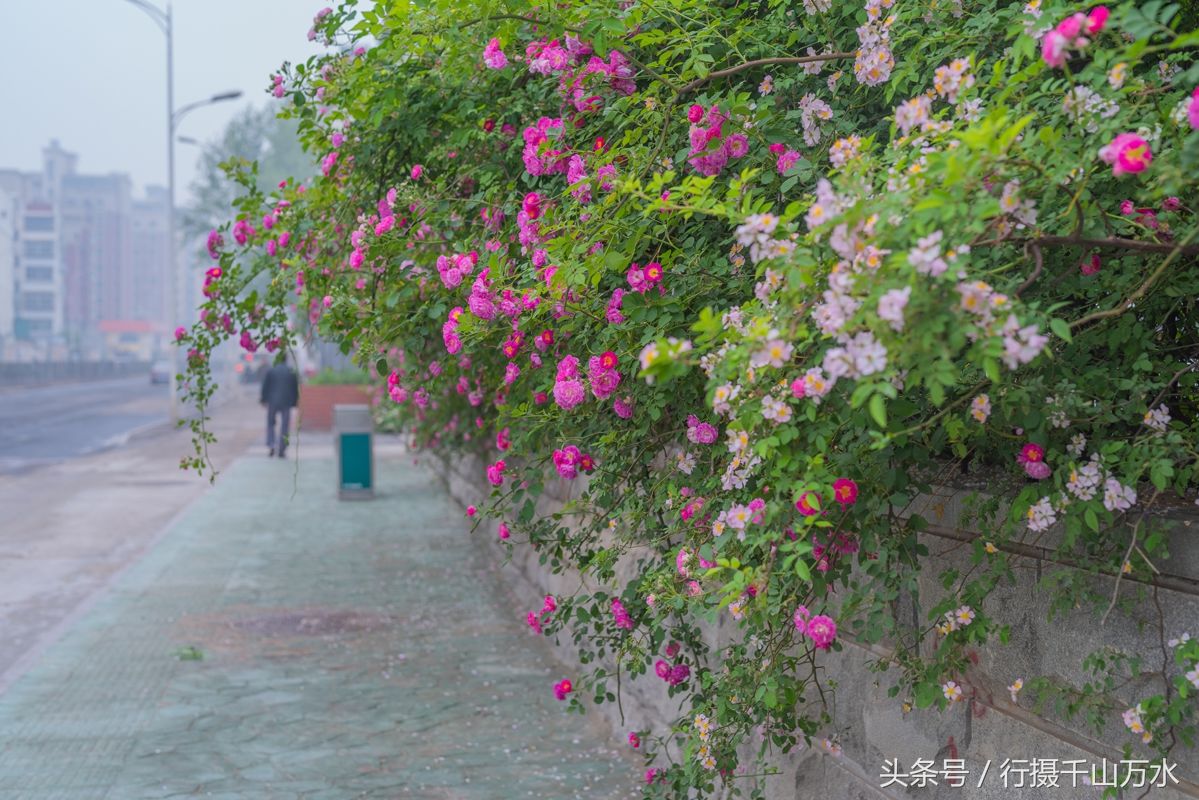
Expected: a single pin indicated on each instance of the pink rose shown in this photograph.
(1127, 153)
(1097, 19)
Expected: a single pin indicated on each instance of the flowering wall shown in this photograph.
(760, 275)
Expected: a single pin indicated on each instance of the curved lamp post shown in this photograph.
(164, 20)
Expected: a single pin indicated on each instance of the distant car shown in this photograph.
(160, 372)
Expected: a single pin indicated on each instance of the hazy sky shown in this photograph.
(92, 74)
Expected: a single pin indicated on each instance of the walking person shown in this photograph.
(280, 393)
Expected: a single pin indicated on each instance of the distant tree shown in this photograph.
(256, 135)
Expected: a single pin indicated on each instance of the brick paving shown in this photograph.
(279, 644)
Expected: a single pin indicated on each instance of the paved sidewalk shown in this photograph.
(279, 644)
(67, 528)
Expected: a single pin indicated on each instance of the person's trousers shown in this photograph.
(284, 428)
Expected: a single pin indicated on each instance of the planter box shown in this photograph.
(317, 401)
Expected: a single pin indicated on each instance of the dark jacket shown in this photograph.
(280, 388)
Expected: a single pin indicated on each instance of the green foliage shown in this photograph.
(333, 377)
(889, 305)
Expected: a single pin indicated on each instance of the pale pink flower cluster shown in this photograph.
(1117, 496)
(951, 79)
(652, 353)
(738, 471)
(813, 111)
(739, 517)
(815, 385)
(874, 60)
(1134, 723)
(737, 608)
(814, 7)
(1084, 481)
(838, 306)
(814, 67)
(845, 150)
(914, 113)
(775, 353)
(723, 397)
(1086, 107)
(855, 357)
(771, 281)
(1021, 344)
(755, 234)
(827, 206)
(1041, 515)
(1010, 202)
(1158, 418)
(926, 255)
(980, 408)
(979, 299)
(891, 306)
(956, 620)
(777, 411)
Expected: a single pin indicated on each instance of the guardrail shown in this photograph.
(36, 372)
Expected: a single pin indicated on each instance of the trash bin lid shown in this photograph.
(352, 418)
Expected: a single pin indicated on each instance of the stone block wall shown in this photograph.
(870, 726)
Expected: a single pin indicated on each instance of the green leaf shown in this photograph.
(878, 410)
(927, 694)
(1061, 328)
(801, 569)
(991, 368)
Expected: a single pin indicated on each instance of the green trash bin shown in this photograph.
(353, 436)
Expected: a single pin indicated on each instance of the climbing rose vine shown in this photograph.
(745, 282)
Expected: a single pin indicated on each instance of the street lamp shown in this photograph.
(165, 21)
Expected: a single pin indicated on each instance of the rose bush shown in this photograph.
(755, 277)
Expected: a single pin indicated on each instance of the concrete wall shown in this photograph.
(870, 727)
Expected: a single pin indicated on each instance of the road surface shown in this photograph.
(68, 526)
(47, 424)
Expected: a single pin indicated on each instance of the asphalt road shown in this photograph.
(47, 424)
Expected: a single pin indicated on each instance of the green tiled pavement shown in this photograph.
(348, 650)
